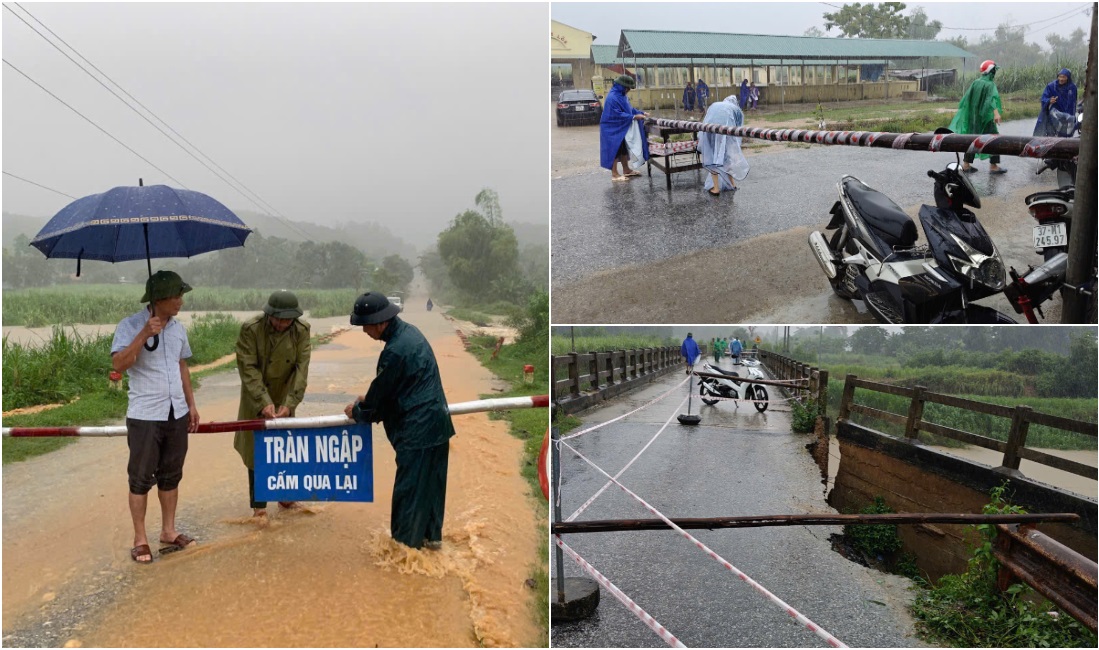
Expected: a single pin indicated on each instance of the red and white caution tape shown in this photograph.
(790, 611)
(668, 637)
(459, 408)
(603, 424)
(623, 470)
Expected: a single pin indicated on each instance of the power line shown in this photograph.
(258, 199)
(39, 185)
(988, 29)
(90, 121)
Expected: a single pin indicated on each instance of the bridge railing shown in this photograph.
(579, 374)
(782, 367)
(1014, 449)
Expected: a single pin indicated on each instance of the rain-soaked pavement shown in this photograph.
(601, 228)
(331, 577)
(737, 462)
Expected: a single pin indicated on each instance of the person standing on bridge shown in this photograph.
(979, 113)
(689, 351)
(735, 348)
(151, 346)
(721, 154)
(622, 138)
(407, 397)
(689, 98)
(273, 362)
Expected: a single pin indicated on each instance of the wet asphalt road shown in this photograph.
(737, 462)
(599, 225)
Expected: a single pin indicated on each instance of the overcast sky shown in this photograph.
(392, 113)
(607, 20)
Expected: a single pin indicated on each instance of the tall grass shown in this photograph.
(110, 303)
(1025, 81)
(1077, 408)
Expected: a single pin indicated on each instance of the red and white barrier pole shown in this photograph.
(460, 408)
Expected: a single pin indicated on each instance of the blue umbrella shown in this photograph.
(131, 223)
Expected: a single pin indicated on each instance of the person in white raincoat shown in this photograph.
(721, 154)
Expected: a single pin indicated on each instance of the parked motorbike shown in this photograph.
(873, 256)
(1053, 210)
(727, 386)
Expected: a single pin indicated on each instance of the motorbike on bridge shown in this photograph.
(873, 256)
(727, 386)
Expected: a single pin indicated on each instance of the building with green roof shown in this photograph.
(785, 68)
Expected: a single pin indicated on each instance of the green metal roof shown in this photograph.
(607, 55)
(699, 45)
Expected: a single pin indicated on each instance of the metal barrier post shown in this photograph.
(555, 449)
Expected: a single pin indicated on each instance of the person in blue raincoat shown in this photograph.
(735, 348)
(1060, 95)
(721, 154)
(689, 97)
(744, 92)
(702, 92)
(619, 144)
(689, 351)
(407, 397)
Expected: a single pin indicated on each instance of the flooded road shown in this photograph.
(737, 462)
(327, 577)
(745, 258)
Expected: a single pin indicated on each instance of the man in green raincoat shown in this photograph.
(979, 113)
(273, 361)
(407, 397)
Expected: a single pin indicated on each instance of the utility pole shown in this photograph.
(1078, 308)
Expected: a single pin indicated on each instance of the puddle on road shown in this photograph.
(331, 578)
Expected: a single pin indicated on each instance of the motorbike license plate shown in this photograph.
(580, 108)
(1051, 234)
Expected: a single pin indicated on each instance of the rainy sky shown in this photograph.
(393, 113)
(606, 20)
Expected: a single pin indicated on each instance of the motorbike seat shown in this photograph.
(882, 215)
(727, 373)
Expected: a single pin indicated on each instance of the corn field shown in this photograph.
(110, 303)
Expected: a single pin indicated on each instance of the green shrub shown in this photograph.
(873, 540)
(804, 416)
(968, 610)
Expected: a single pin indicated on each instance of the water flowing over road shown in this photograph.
(330, 576)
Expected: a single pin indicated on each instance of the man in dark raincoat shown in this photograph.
(618, 117)
(979, 113)
(407, 397)
(689, 97)
(273, 361)
(702, 91)
(1060, 95)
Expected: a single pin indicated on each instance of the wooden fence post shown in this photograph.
(1016, 439)
(915, 414)
(848, 396)
(574, 374)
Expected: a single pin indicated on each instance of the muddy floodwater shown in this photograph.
(330, 576)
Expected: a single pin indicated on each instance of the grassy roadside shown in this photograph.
(528, 425)
(32, 377)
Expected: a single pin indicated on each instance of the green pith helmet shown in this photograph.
(164, 284)
(282, 304)
(626, 81)
(372, 308)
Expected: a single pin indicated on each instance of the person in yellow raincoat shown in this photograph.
(273, 361)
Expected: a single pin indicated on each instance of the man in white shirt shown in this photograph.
(152, 347)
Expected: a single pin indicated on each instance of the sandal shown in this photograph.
(140, 551)
(713, 194)
(181, 542)
(632, 174)
(620, 178)
(969, 170)
(997, 171)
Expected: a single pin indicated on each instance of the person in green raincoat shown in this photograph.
(407, 397)
(979, 113)
(273, 361)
